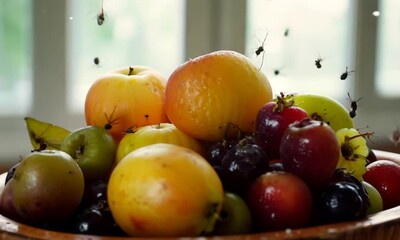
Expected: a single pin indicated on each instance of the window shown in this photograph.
(295, 34)
(388, 49)
(344, 34)
(47, 52)
(15, 57)
(149, 33)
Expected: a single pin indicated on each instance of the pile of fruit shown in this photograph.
(208, 151)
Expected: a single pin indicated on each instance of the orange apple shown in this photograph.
(125, 98)
(207, 94)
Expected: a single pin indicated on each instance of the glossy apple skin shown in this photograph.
(310, 150)
(207, 94)
(126, 97)
(94, 149)
(384, 175)
(7, 207)
(47, 187)
(165, 190)
(271, 124)
(235, 217)
(158, 133)
(279, 200)
(375, 198)
(329, 109)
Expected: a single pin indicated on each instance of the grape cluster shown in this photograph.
(288, 140)
(238, 162)
(93, 216)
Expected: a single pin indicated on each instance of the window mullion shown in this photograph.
(49, 59)
(365, 49)
(214, 25)
(232, 25)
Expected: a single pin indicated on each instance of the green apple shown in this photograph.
(324, 108)
(158, 133)
(93, 148)
(46, 187)
(235, 217)
(375, 198)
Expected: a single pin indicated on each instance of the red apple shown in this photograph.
(271, 122)
(279, 200)
(384, 175)
(310, 150)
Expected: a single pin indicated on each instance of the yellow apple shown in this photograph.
(165, 190)
(158, 133)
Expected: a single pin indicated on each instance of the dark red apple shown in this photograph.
(310, 150)
(384, 175)
(278, 200)
(272, 120)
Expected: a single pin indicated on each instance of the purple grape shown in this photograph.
(340, 201)
(242, 164)
(96, 220)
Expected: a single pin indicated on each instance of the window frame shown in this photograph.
(376, 112)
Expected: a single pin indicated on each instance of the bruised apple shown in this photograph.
(46, 187)
(165, 190)
(125, 98)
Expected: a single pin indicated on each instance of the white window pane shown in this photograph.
(149, 33)
(15, 57)
(300, 32)
(388, 49)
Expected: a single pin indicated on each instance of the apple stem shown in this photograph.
(233, 131)
(130, 71)
(283, 102)
(79, 151)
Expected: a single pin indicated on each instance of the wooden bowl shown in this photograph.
(382, 225)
